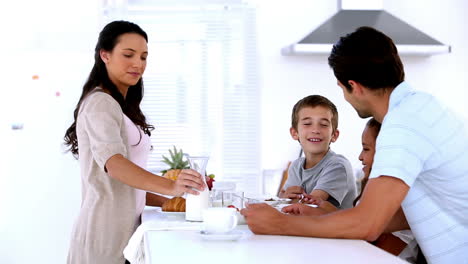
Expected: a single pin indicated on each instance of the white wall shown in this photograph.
(285, 80)
(39, 186)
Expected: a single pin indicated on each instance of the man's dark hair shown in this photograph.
(368, 57)
(314, 101)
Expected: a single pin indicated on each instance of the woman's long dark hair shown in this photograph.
(108, 39)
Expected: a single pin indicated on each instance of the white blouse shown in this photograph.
(138, 152)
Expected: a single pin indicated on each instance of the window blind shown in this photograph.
(201, 83)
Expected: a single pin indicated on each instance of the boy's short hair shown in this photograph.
(369, 57)
(314, 101)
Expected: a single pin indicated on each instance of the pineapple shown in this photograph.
(176, 163)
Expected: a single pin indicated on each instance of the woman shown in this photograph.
(110, 136)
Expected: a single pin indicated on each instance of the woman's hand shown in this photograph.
(187, 180)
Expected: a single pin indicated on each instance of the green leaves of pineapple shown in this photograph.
(176, 160)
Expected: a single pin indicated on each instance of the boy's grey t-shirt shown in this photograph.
(333, 174)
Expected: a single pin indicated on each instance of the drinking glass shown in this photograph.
(233, 198)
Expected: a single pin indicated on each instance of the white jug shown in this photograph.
(196, 204)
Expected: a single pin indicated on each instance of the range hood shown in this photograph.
(350, 16)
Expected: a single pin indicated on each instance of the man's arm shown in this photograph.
(301, 209)
(398, 222)
(365, 221)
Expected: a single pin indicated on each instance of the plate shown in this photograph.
(231, 236)
(270, 200)
(178, 215)
(277, 201)
(281, 206)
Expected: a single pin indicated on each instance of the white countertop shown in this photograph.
(178, 246)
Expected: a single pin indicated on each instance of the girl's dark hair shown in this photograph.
(369, 57)
(108, 39)
(375, 125)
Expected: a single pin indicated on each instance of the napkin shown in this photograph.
(134, 251)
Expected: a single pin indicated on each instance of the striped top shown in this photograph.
(426, 145)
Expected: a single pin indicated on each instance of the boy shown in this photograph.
(322, 173)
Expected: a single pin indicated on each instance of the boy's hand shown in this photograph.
(293, 192)
(319, 202)
(310, 199)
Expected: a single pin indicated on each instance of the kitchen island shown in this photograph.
(189, 246)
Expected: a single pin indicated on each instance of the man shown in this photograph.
(419, 178)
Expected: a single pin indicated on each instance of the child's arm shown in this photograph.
(323, 195)
(292, 187)
(334, 183)
(322, 204)
(292, 192)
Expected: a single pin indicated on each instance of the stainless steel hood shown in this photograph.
(409, 40)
